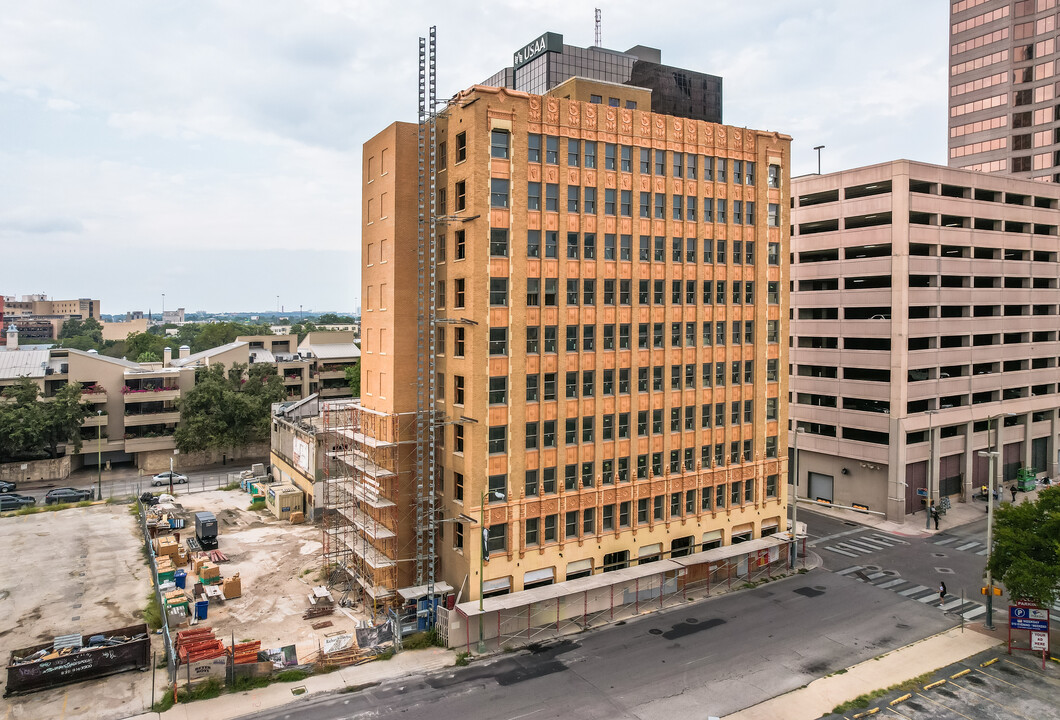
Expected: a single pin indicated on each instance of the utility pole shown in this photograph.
(929, 501)
(795, 502)
(818, 148)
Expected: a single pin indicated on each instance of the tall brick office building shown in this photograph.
(613, 356)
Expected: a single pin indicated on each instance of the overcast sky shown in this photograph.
(211, 150)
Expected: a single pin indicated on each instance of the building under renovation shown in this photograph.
(574, 343)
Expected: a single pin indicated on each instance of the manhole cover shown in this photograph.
(945, 571)
(655, 631)
(872, 568)
(691, 621)
(938, 554)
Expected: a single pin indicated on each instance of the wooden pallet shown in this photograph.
(315, 612)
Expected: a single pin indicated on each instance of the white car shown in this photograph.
(162, 478)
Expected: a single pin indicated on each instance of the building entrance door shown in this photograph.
(821, 487)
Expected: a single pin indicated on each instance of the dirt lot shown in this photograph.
(278, 563)
(79, 570)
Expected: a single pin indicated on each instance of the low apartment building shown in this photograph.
(924, 307)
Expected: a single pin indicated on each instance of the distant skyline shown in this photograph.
(212, 151)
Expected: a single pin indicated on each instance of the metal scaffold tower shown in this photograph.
(426, 319)
(360, 516)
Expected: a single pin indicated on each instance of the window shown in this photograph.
(551, 200)
(458, 342)
(550, 527)
(773, 253)
(533, 148)
(497, 539)
(570, 524)
(498, 192)
(500, 141)
(551, 150)
(498, 441)
(533, 200)
(498, 390)
(498, 341)
(609, 203)
(532, 531)
(626, 207)
(573, 152)
(573, 192)
(590, 154)
(458, 485)
(660, 162)
(773, 176)
(499, 292)
(737, 171)
(458, 389)
(531, 437)
(532, 388)
(590, 201)
(773, 217)
(533, 292)
(461, 147)
(461, 245)
(548, 440)
(551, 333)
(721, 172)
(458, 438)
(627, 157)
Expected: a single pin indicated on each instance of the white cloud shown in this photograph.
(215, 130)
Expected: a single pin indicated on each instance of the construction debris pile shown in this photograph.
(66, 645)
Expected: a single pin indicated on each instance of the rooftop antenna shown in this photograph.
(598, 38)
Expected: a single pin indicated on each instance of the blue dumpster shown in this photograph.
(201, 607)
(181, 578)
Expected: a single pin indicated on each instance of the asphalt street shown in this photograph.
(708, 658)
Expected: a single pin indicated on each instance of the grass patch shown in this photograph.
(232, 486)
(862, 701)
(152, 612)
(290, 676)
(165, 703)
(56, 507)
(29, 510)
(205, 691)
(358, 688)
(85, 503)
(463, 659)
(385, 654)
(242, 684)
(421, 640)
(257, 505)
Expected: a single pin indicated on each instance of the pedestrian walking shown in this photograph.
(942, 592)
(1013, 488)
(935, 516)
(997, 494)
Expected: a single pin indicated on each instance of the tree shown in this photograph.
(30, 429)
(84, 334)
(227, 410)
(1026, 553)
(333, 319)
(353, 378)
(148, 356)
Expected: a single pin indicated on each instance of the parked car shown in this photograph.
(6, 487)
(10, 501)
(162, 478)
(67, 495)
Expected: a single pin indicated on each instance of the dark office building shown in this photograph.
(546, 62)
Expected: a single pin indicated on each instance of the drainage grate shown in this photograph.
(945, 571)
(938, 554)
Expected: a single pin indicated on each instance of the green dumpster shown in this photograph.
(1025, 480)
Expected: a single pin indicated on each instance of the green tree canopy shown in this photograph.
(333, 319)
(353, 378)
(30, 429)
(1026, 553)
(226, 410)
(148, 356)
(84, 334)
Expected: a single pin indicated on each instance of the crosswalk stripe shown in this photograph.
(862, 546)
(889, 538)
(966, 546)
(841, 552)
(930, 597)
(851, 569)
(946, 541)
(848, 546)
(974, 613)
(876, 575)
(890, 583)
(912, 590)
(952, 604)
(982, 552)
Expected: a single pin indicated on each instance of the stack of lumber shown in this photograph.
(343, 658)
(217, 556)
(245, 653)
(198, 644)
(318, 611)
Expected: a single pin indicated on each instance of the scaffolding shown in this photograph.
(360, 517)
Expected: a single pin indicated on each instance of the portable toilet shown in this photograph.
(282, 500)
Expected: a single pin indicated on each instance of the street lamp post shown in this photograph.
(929, 501)
(818, 148)
(993, 455)
(99, 455)
(795, 503)
(482, 565)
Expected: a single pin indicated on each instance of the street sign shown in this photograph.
(984, 591)
(922, 492)
(1039, 641)
(1019, 618)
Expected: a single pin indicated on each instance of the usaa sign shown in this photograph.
(549, 42)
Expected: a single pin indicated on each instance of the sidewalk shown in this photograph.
(413, 662)
(960, 513)
(822, 695)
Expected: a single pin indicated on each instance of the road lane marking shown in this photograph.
(534, 712)
(946, 541)
(841, 552)
(890, 583)
(967, 546)
(833, 537)
(851, 569)
(910, 591)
